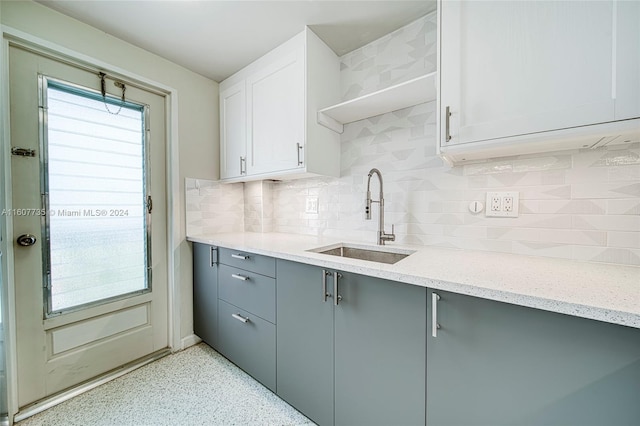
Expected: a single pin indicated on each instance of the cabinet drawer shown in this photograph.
(250, 291)
(248, 261)
(251, 345)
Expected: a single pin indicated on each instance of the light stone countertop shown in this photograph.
(605, 292)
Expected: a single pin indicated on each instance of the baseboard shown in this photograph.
(190, 340)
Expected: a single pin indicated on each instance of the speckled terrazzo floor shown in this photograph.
(197, 386)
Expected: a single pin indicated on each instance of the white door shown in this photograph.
(91, 292)
(276, 115)
(233, 131)
(521, 67)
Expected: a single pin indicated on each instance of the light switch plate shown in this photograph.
(311, 205)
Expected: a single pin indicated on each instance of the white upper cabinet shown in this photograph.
(233, 131)
(272, 133)
(532, 76)
(627, 54)
(275, 114)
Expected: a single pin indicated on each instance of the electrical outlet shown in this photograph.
(496, 203)
(502, 204)
(507, 204)
(311, 205)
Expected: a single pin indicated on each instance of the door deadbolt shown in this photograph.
(26, 240)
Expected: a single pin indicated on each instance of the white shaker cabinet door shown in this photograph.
(627, 88)
(233, 131)
(276, 115)
(522, 67)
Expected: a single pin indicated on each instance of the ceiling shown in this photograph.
(217, 38)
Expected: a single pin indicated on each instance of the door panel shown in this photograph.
(305, 341)
(556, 55)
(512, 365)
(233, 128)
(60, 352)
(380, 332)
(275, 113)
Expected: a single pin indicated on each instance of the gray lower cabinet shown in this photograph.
(305, 341)
(380, 329)
(249, 341)
(205, 293)
(360, 362)
(494, 363)
(246, 313)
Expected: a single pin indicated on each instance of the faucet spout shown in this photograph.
(382, 236)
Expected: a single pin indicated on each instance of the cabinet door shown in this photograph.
(233, 131)
(627, 90)
(494, 363)
(205, 293)
(379, 352)
(249, 342)
(276, 113)
(305, 341)
(521, 67)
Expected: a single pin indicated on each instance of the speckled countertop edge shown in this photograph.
(604, 292)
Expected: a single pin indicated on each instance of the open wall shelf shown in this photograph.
(413, 92)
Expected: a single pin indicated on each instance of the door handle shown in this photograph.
(325, 295)
(213, 258)
(298, 149)
(239, 256)
(26, 240)
(434, 314)
(338, 297)
(447, 129)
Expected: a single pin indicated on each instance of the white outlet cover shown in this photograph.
(311, 205)
(502, 211)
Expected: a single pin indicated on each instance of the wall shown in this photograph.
(579, 204)
(214, 207)
(197, 107)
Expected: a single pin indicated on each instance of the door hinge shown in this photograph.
(23, 152)
(149, 204)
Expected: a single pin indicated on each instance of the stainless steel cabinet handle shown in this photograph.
(240, 277)
(338, 298)
(213, 259)
(243, 162)
(325, 274)
(298, 149)
(447, 130)
(240, 318)
(240, 256)
(434, 314)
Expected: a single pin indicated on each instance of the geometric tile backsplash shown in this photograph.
(578, 204)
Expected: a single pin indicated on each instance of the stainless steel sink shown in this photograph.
(371, 254)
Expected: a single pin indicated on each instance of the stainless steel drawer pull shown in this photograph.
(240, 277)
(240, 318)
(434, 314)
(240, 256)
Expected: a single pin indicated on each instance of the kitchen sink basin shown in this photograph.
(371, 254)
